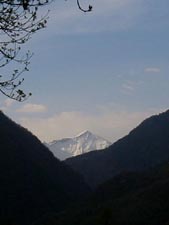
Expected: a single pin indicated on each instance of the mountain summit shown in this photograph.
(80, 144)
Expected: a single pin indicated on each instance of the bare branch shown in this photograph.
(19, 20)
(84, 10)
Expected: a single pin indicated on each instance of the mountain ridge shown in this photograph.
(144, 147)
(130, 198)
(33, 181)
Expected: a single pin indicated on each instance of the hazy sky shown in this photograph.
(103, 71)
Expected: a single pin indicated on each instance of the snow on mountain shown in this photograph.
(80, 144)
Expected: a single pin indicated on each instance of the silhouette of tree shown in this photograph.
(19, 20)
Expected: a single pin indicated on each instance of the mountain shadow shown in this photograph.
(32, 181)
(130, 198)
(143, 148)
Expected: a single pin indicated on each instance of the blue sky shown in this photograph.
(103, 71)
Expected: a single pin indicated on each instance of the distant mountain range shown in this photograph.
(80, 144)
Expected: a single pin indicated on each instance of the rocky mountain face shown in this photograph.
(143, 148)
(82, 143)
(33, 181)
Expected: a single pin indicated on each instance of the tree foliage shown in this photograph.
(19, 20)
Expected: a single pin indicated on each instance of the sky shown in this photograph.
(103, 71)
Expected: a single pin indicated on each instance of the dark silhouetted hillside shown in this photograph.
(143, 148)
(127, 199)
(32, 181)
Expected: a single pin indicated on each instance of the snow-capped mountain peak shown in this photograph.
(84, 133)
(84, 142)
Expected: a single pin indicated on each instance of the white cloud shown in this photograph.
(8, 102)
(128, 87)
(152, 70)
(108, 123)
(6, 105)
(32, 108)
